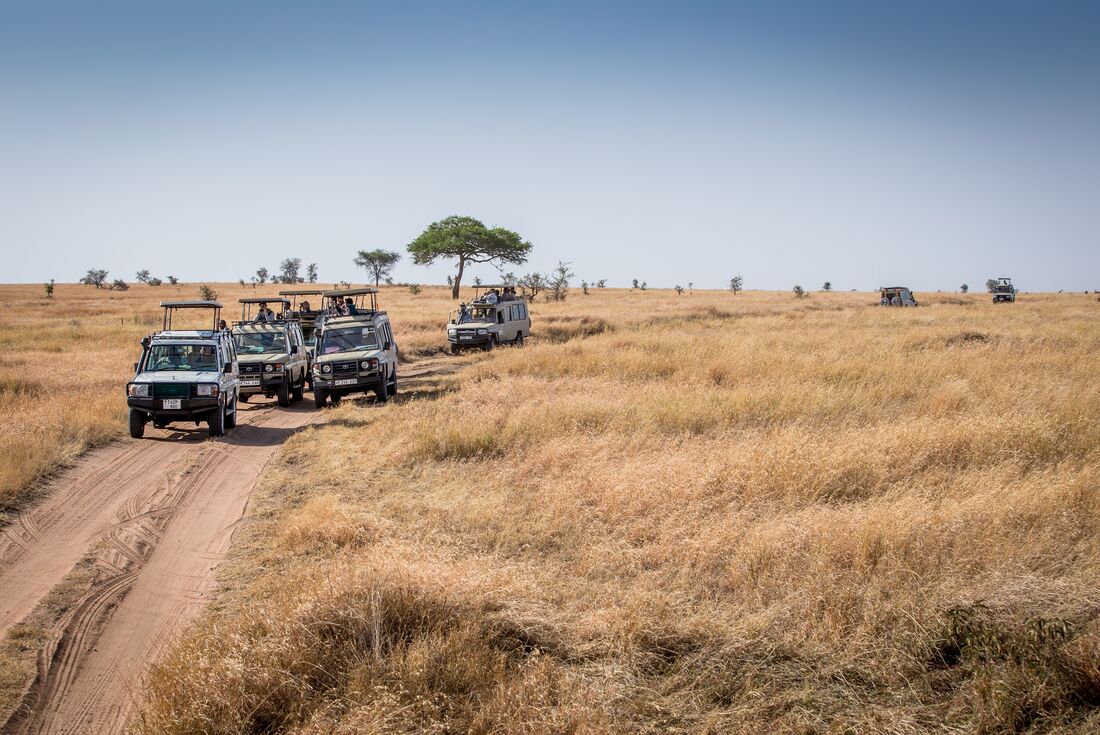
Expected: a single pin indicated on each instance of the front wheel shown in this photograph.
(318, 398)
(454, 349)
(491, 343)
(519, 339)
(137, 424)
(231, 417)
(299, 389)
(215, 425)
(283, 394)
(382, 391)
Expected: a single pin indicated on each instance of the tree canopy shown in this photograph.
(379, 263)
(470, 241)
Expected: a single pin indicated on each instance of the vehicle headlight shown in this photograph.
(268, 368)
(451, 330)
(206, 389)
(138, 390)
(483, 331)
(326, 368)
(370, 364)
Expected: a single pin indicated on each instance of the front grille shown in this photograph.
(251, 369)
(345, 368)
(171, 390)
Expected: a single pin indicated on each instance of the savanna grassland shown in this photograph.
(697, 513)
(65, 360)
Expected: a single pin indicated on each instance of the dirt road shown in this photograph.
(156, 515)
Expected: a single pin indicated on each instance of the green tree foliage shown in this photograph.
(261, 276)
(469, 241)
(378, 263)
(679, 289)
(206, 293)
(173, 280)
(119, 285)
(48, 287)
(558, 287)
(964, 288)
(828, 286)
(311, 273)
(288, 270)
(991, 285)
(142, 276)
(799, 292)
(737, 283)
(95, 277)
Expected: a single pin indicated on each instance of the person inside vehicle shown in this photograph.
(491, 296)
(204, 359)
(264, 315)
(222, 326)
(304, 307)
(349, 307)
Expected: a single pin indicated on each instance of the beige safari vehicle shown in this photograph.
(356, 352)
(497, 316)
(896, 296)
(270, 350)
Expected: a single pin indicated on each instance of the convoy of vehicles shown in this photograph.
(185, 375)
(496, 317)
(897, 296)
(1004, 291)
(356, 352)
(271, 351)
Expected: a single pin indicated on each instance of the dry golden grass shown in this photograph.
(64, 362)
(710, 514)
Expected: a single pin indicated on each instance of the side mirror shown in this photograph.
(228, 368)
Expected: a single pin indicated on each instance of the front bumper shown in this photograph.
(472, 340)
(190, 408)
(253, 383)
(350, 384)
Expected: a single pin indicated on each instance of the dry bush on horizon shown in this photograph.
(712, 513)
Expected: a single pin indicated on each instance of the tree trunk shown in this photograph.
(458, 278)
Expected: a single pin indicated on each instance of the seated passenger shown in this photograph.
(349, 307)
(491, 296)
(264, 314)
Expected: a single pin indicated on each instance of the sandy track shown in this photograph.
(157, 515)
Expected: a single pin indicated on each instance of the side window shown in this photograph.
(500, 316)
(522, 309)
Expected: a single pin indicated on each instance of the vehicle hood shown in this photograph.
(264, 358)
(349, 355)
(177, 376)
(474, 325)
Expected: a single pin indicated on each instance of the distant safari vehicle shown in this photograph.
(1004, 291)
(307, 311)
(185, 375)
(495, 317)
(896, 296)
(271, 352)
(355, 348)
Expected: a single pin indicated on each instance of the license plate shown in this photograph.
(465, 337)
(345, 381)
(247, 383)
(171, 403)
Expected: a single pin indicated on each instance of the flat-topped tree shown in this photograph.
(468, 240)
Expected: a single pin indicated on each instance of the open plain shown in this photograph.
(704, 512)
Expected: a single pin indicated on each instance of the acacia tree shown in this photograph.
(95, 277)
(261, 276)
(964, 288)
(311, 272)
(470, 241)
(142, 276)
(379, 263)
(828, 286)
(289, 270)
(736, 283)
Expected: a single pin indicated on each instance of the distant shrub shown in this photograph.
(119, 285)
(206, 293)
(415, 289)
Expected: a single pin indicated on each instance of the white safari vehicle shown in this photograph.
(355, 348)
(185, 375)
(271, 351)
(1004, 292)
(495, 317)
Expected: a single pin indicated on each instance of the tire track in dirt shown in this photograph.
(159, 515)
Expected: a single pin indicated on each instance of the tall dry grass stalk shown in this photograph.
(710, 514)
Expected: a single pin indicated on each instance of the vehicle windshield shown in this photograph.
(349, 338)
(182, 357)
(477, 314)
(258, 343)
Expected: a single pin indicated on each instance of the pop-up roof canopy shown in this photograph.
(355, 294)
(260, 300)
(248, 302)
(302, 292)
(170, 307)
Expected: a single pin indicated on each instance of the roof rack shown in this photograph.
(345, 292)
(261, 300)
(170, 307)
(356, 295)
(302, 292)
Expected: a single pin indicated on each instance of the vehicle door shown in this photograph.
(297, 352)
(523, 319)
(391, 351)
(227, 358)
(505, 325)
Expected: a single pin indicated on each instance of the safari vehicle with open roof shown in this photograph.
(1003, 291)
(271, 352)
(306, 312)
(185, 375)
(497, 316)
(897, 296)
(355, 348)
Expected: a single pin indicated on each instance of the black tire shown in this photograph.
(137, 424)
(335, 398)
(215, 425)
(244, 398)
(318, 398)
(490, 344)
(393, 383)
(519, 339)
(454, 349)
(283, 394)
(231, 417)
(296, 393)
(382, 391)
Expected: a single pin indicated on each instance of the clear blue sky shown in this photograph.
(928, 143)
